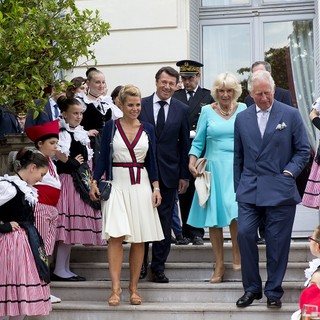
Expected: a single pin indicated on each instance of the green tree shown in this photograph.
(38, 39)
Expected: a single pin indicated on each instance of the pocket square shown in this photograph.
(281, 126)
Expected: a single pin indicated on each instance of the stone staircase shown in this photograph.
(189, 295)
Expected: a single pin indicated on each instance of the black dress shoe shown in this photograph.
(144, 271)
(197, 241)
(160, 277)
(79, 278)
(54, 277)
(273, 302)
(248, 298)
(181, 240)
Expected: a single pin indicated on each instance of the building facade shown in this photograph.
(226, 35)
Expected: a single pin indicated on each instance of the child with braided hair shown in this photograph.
(24, 275)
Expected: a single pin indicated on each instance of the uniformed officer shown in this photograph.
(196, 97)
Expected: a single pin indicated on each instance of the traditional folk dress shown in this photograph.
(46, 213)
(78, 222)
(22, 290)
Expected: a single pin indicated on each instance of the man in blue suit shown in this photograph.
(270, 150)
(281, 95)
(173, 145)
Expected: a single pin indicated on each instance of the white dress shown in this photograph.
(129, 211)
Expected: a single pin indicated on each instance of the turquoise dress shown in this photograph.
(216, 135)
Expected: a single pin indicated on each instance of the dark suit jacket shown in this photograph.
(43, 117)
(8, 122)
(280, 94)
(173, 145)
(201, 98)
(259, 162)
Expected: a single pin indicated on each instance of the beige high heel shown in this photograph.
(114, 299)
(217, 276)
(236, 267)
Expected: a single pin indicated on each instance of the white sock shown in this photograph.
(67, 265)
(62, 261)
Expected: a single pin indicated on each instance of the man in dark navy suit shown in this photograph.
(170, 118)
(50, 111)
(196, 97)
(9, 123)
(280, 94)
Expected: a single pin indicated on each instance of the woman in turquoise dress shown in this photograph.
(215, 138)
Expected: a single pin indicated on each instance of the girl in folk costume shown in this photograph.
(311, 294)
(45, 138)
(79, 220)
(98, 107)
(24, 274)
(311, 196)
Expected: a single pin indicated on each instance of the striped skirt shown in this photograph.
(22, 292)
(311, 197)
(77, 222)
(46, 218)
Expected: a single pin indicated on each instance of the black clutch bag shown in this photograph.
(105, 186)
(104, 189)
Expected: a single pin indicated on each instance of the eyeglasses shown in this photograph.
(315, 240)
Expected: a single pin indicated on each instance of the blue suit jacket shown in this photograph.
(8, 122)
(259, 162)
(173, 145)
(43, 117)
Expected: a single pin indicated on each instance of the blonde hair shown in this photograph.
(316, 233)
(228, 80)
(128, 90)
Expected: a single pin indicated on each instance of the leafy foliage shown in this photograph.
(38, 39)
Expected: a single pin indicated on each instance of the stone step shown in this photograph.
(188, 296)
(179, 292)
(200, 271)
(188, 253)
(99, 310)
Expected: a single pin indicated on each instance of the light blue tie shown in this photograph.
(262, 121)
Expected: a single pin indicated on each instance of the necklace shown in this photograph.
(225, 113)
(92, 95)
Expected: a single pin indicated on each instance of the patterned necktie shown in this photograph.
(262, 121)
(56, 111)
(161, 118)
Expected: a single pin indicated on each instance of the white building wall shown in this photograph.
(145, 35)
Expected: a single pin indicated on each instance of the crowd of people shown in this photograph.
(222, 162)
